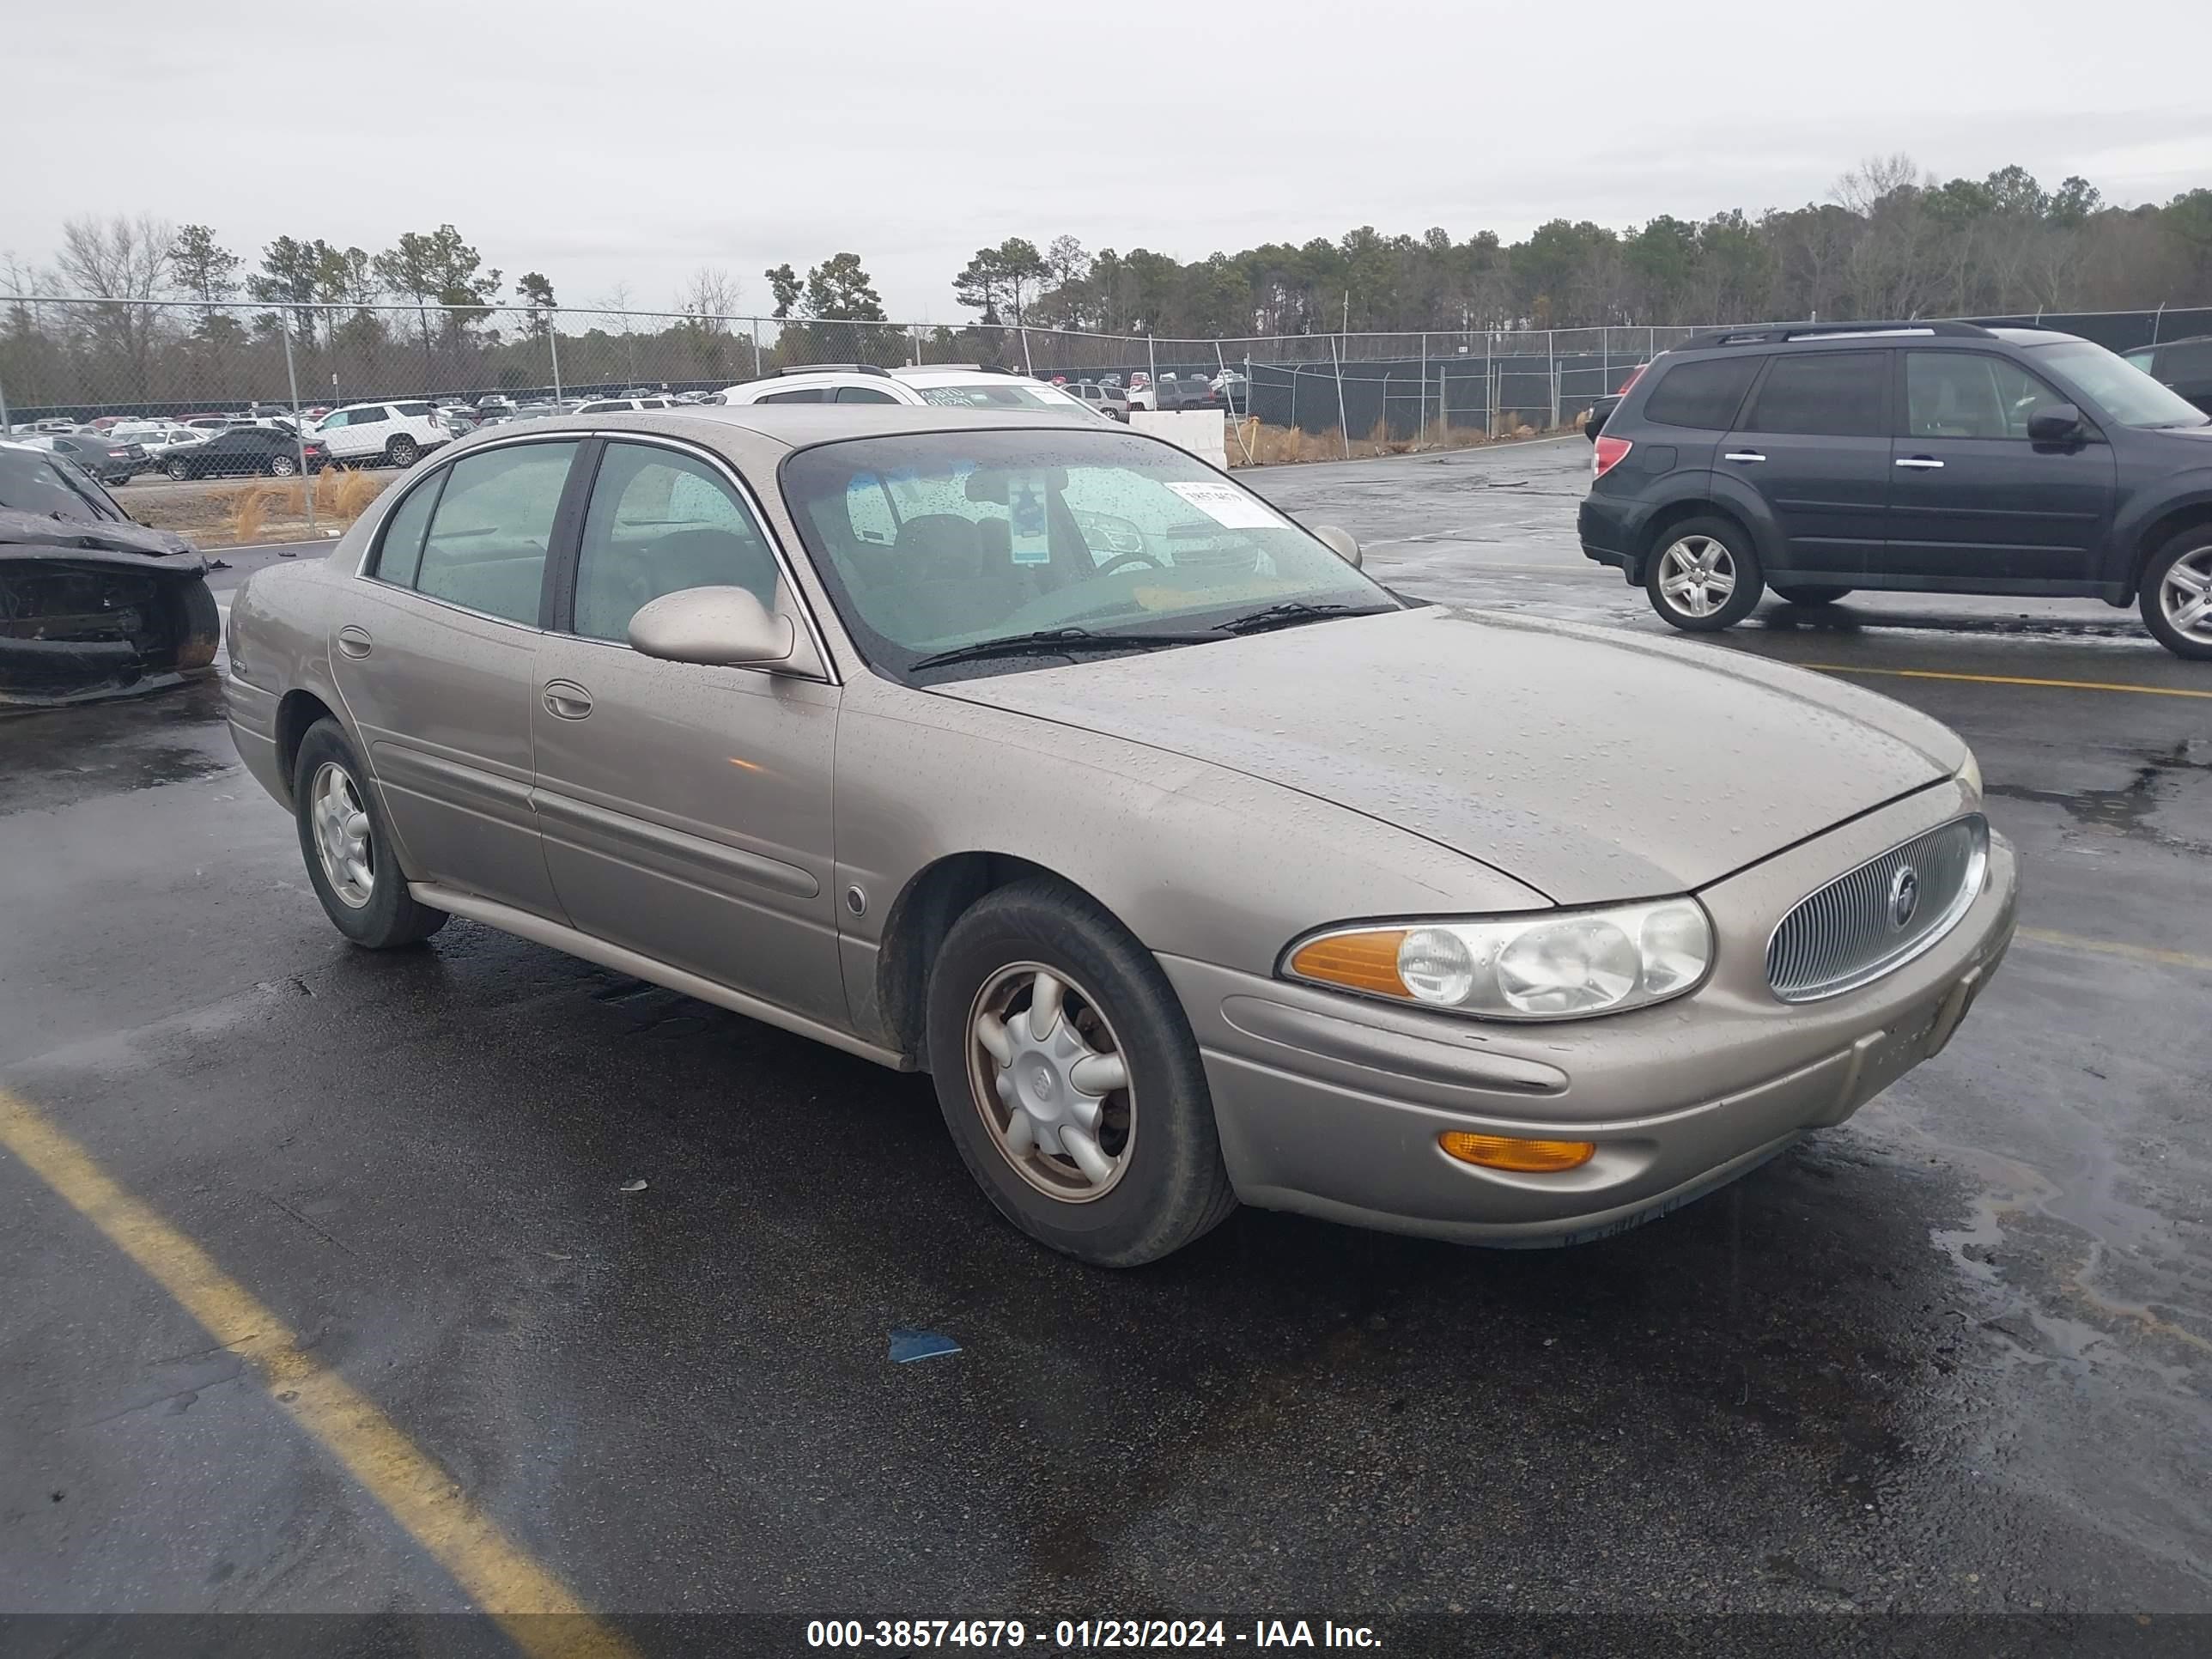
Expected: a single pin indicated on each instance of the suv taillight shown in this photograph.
(1607, 453)
(1634, 375)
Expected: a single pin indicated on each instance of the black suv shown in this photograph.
(1940, 458)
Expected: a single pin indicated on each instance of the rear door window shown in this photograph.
(1837, 394)
(373, 417)
(864, 394)
(1704, 395)
(493, 524)
(813, 394)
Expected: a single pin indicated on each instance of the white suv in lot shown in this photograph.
(363, 435)
(955, 385)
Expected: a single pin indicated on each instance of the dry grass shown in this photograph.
(355, 490)
(249, 514)
(1252, 444)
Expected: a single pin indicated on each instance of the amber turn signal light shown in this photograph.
(1359, 962)
(1508, 1152)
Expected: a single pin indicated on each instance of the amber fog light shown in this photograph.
(1508, 1152)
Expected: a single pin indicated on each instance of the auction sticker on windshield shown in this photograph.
(1227, 505)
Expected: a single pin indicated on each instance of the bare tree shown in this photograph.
(120, 259)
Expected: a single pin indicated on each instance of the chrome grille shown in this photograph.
(1849, 932)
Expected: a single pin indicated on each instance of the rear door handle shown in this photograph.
(1743, 455)
(1920, 462)
(355, 642)
(567, 700)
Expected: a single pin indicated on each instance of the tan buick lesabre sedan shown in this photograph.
(1193, 865)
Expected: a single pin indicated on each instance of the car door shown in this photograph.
(1973, 502)
(435, 651)
(686, 809)
(1814, 443)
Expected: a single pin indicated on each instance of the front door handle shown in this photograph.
(355, 642)
(1743, 455)
(1920, 462)
(567, 700)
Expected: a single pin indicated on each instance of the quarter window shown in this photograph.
(1836, 394)
(399, 555)
(661, 522)
(489, 533)
(1969, 394)
(863, 394)
(1706, 395)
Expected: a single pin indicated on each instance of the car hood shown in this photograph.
(1588, 764)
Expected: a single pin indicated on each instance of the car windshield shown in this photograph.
(33, 481)
(2118, 387)
(1002, 392)
(932, 541)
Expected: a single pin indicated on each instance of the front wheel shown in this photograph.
(348, 846)
(1070, 1078)
(1808, 593)
(2176, 595)
(1703, 576)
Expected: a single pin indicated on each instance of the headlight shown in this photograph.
(1970, 778)
(1545, 965)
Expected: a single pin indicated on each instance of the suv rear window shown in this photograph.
(1837, 394)
(1706, 395)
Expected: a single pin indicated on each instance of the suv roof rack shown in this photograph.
(836, 368)
(1781, 333)
(980, 368)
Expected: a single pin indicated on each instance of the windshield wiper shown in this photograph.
(1047, 641)
(1293, 612)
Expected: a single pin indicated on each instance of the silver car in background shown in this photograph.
(1192, 864)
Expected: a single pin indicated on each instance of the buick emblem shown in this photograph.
(1904, 898)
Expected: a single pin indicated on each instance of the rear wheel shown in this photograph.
(348, 846)
(2177, 594)
(1806, 592)
(1703, 575)
(1070, 1079)
(402, 451)
(282, 466)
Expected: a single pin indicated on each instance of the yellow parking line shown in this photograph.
(421, 1497)
(2105, 947)
(2005, 679)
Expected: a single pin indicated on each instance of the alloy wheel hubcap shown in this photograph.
(1697, 575)
(340, 824)
(2185, 594)
(1047, 1074)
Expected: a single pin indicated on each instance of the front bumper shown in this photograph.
(1332, 1105)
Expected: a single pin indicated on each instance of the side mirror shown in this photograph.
(2058, 424)
(716, 626)
(1339, 541)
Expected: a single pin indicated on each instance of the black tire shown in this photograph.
(1740, 566)
(1173, 1187)
(2194, 546)
(389, 917)
(199, 629)
(1806, 592)
(402, 451)
(178, 471)
(282, 466)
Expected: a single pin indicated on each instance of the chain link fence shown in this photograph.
(67, 362)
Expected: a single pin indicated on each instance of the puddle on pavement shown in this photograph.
(2127, 809)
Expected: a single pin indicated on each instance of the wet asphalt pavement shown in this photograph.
(1951, 1358)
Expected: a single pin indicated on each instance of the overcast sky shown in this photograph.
(633, 143)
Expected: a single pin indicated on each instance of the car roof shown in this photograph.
(795, 426)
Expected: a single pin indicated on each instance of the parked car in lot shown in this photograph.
(90, 603)
(1192, 864)
(2182, 366)
(1923, 457)
(1171, 393)
(245, 452)
(113, 461)
(1108, 400)
(948, 385)
(621, 405)
(157, 438)
(391, 435)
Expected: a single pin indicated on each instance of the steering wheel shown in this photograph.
(1121, 559)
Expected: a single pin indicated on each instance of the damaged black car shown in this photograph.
(92, 603)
